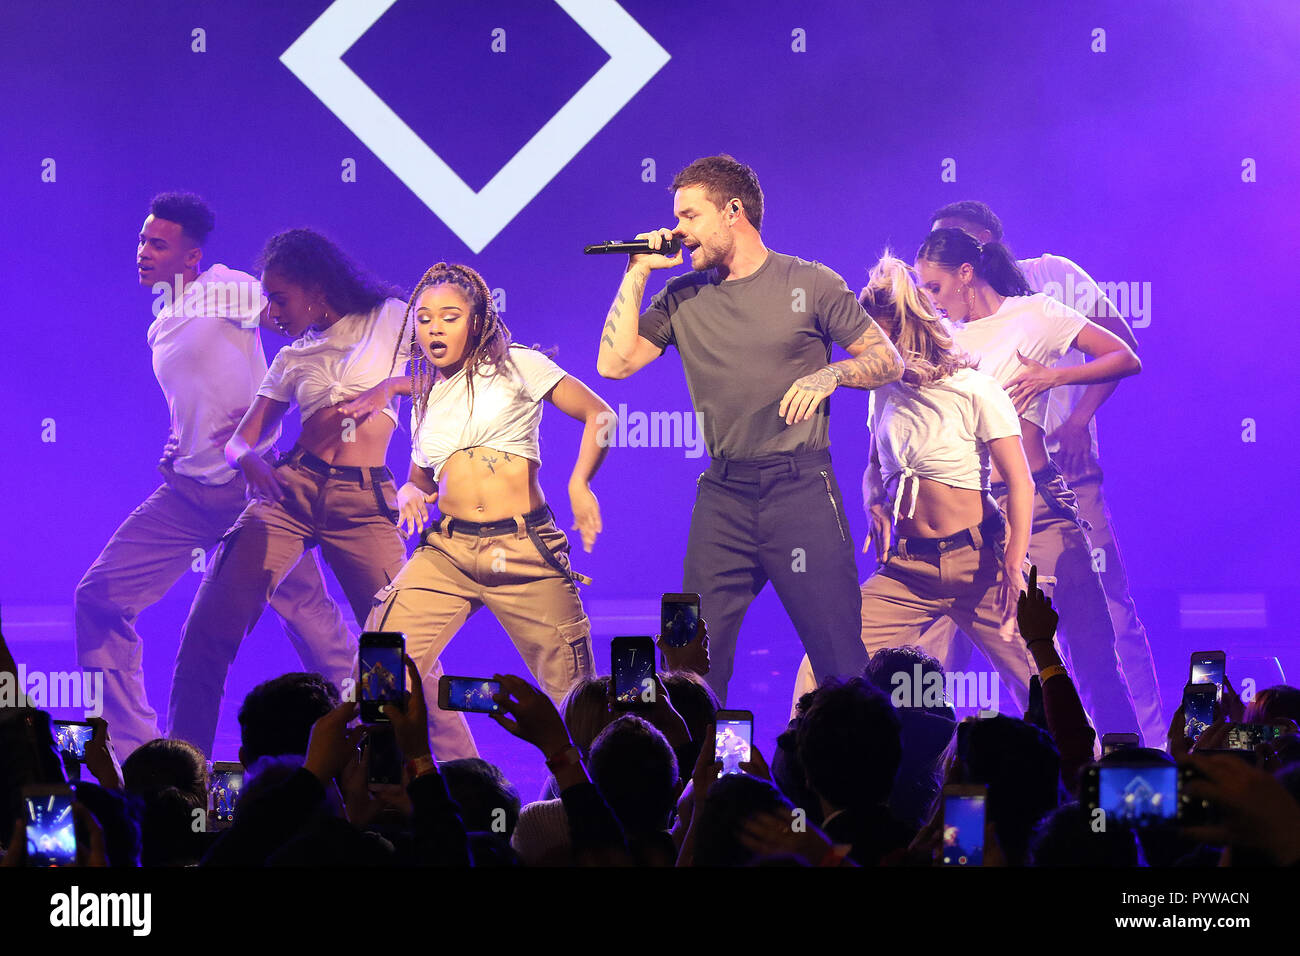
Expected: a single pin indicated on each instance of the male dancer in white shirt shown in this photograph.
(207, 356)
(1072, 442)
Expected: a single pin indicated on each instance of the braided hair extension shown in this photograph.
(488, 341)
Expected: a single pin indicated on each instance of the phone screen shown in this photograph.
(1112, 742)
(1136, 795)
(472, 694)
(1198, 711)
(731, 741)
(1248, 736)
(1208, 669)
(678, 620)
(963, 830)
(382, 673)
(224, 787)
(72, 737)
(633, 660)
(51, 839)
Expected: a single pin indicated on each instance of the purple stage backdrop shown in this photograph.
(1155, 144)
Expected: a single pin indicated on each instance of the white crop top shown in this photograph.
(355, 353)
(937, 431)
(1039, 326)
(507, 412)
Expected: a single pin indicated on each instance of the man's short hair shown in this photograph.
(635, 771)
(277, 715)
(188, 211)
(971, 211)
(480, 789)
(723, 178)
(850, 742)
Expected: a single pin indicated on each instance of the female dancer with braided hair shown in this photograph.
(474, 435)
(331, 490)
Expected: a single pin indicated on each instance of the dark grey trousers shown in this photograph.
(778, 519)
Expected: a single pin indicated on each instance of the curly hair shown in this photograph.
(488, 342)
(309, 259)
(187, 210)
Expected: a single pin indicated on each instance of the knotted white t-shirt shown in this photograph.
(354, 354)
(506, 414)
(938, 431)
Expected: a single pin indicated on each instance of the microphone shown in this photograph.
(634, 247)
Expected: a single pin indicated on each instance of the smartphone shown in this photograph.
(678, 616)
(733, 735)
(963, 824)
(473, 695)
(51, 836)
(383, 673)
(1247, 736)
(72, 737)
(384, 756)
(1208, 667)
(1198, 708)
(1112, 742)
(633, 664)
(1133, 794)
(225, 784)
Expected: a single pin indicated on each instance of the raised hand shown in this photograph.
(1034, 611)
(530, 715)
(655, 260)
(690, 657)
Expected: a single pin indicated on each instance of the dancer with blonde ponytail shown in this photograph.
(943, 549)
(477, 409)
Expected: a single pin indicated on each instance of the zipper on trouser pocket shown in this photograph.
(839, 524)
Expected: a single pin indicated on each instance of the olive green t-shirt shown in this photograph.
(744, 342)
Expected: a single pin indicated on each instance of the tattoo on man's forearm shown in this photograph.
(876, 366)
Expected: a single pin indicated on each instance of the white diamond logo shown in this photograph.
(316, 58)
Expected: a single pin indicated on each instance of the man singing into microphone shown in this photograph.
(754, 330)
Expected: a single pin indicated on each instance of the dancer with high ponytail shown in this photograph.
(331, 490)
(475, 420)
(1018, 338)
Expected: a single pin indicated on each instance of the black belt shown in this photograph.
(752, 469)
(355, 473)
(488, 529)
(989, 529)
